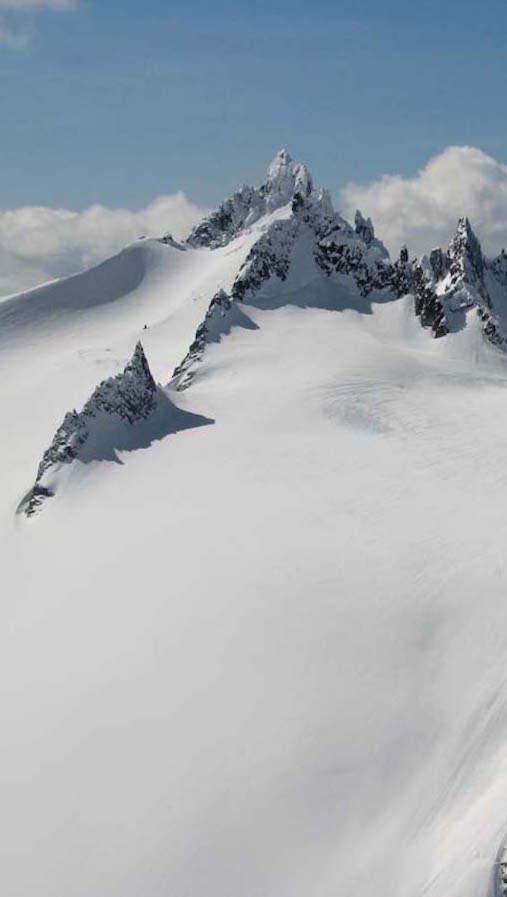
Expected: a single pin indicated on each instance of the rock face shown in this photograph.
(184, 373)
(439, 263)
(427, 305)
(498, 267)
(130, 396)
(465, 259)
(364, 229)
(269, 257)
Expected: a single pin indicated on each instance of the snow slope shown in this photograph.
(264, 655)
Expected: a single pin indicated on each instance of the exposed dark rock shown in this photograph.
(371, 272)
(491, 328)
(184, 373)
(364, 228)
(427, 305)
(129, 395)
(438, 262)
(269, 257)
(465, 257)
(498, 267)
(286, 181)
(221, 226)
(402, 277)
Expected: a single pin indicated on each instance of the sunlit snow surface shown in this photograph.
(266, 657)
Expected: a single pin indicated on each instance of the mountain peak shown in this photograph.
(365, 230)
(364, 227)
(465, 253)
(129, 396)
(282, 160)
(284, 181)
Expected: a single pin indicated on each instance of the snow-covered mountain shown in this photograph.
(254, 632)
(449, 284)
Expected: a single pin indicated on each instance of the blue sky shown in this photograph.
(118, 101)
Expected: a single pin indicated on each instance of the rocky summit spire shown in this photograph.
(129, 396)
(285, 181)
(364, 227)
(365, 230)
(465, 253)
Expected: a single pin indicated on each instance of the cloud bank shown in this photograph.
(39, 244)
(422, 211)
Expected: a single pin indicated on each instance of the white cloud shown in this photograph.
(422, 211)
(38, 244)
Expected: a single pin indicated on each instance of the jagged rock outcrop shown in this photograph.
(340, 250)
(184, 373)
(444, 284)
(286, 181)
(130, 396)
(168, 240)
(491, 328)
(364, 229)
(465, 259)
(439, 263)
(498, 267)
(269, 257)
(402, 278)
(427, 305)
(448, 284)
(335, 246)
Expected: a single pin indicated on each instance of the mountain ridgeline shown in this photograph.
(293, 248)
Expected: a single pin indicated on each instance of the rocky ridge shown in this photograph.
(130, 395)
(449, 283)
(337, 249)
